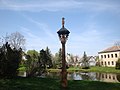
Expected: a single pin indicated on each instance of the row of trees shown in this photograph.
(36, 63)
(11, 57)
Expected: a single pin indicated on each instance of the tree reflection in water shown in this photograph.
(105, 77)
(118, 77)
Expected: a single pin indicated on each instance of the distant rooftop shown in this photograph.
(111, 49)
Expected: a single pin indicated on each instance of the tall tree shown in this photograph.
(71, 58)
(49, 57)
(45, 59)
(16, 40)
(31, 63)
(33, 53)
(85, 61)
(58, 59)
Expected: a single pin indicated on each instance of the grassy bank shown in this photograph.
(97, 69)
(53, 84)
(92, 69)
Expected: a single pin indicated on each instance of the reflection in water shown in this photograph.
(106, 77)
(118, 77)
(55, 75)
(82, 76)
(22, 73)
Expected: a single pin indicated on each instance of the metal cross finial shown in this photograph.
(63, 22)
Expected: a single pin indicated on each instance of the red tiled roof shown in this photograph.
(111, 49)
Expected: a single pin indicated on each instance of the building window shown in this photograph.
(102, 63)
(108, 63)
(109, 76)
(112, 55)
(105, 63)
(106, 76)
(112, 63)
(101, 56)
(104, 56)
(116, 55)
(113, 77)
(108, 56)
(102, 75)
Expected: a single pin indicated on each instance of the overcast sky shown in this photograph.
(93, 24)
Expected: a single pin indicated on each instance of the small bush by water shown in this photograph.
(118, 64)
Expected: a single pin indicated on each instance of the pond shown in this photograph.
(94, 76)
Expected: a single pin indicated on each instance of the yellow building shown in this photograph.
(109, 56)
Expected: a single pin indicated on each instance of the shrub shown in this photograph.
(118, 64)
(9, 61)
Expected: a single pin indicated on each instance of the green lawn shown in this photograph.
(97, 69)
(54, 84)
(92, 69)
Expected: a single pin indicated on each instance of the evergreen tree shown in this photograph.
(49, 57)
(9, 61)
(85, 62)
(45, 60)
(42, 61)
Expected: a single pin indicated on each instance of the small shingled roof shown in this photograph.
(111, 49)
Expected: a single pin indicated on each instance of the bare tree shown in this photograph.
(16, 40)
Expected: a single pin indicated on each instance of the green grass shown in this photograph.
(92, 69)
(54, 84)
(97, 69)
(105, 69)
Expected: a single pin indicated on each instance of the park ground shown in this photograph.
(54, 84)
(92, 69)
(38, 83)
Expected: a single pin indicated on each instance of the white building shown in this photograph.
(92, 60)
(109, 56)
(77, 61)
